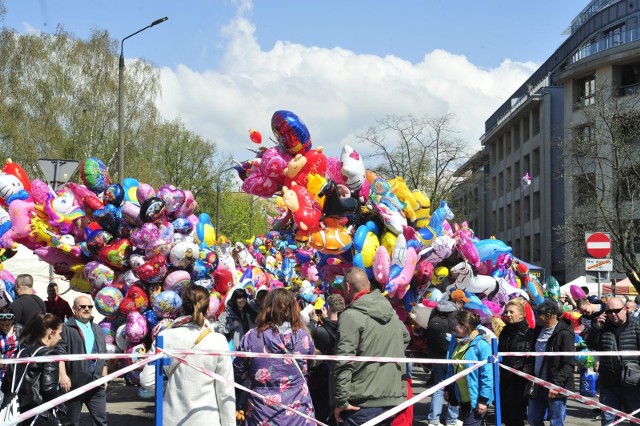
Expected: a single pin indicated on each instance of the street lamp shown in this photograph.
(121, 99)
(218, 198)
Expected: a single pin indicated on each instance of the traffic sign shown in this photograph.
(57, 172)
(598, 244)
(598, 264)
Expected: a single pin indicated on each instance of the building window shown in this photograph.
(535, 119)
(508, 180)
(614, 36)
(536, 205)
(525, 129)
(537, 250)
(535, 163)
(584, 189)
(586, 91)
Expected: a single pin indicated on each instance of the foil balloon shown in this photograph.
(107, 301)
(136, 328)
(152, 210)
(94, 175)
(167, 304)
(184, 254)
(173, 197)
(177, 281)
(16, 170)
(98, 275)
(214, 304)
(255, 136)
(290, 132)
(122, 341)
(114, 194)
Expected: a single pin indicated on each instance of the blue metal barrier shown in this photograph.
(160, 364)
(496, 380)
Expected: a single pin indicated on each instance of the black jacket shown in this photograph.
(26, 306)
(324, 336)
(516, 337)
(40, 382)
(559, 368)
(625, 337)
(72, 342)
(440, 325)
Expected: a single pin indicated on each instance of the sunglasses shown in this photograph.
(84, 306)
(613, 311)
(7, 316)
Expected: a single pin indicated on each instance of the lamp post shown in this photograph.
(121, 98)
(218, 199)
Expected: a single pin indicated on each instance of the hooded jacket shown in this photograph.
(370, 327)
(559, 369)
(480, 381)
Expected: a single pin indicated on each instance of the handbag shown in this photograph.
(11, 403)
(629, 372)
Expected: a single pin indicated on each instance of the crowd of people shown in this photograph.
(359, 321)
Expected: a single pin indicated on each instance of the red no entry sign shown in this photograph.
(598, 244)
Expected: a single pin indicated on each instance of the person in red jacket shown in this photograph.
(56, 305)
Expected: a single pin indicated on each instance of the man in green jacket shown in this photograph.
(368, 327)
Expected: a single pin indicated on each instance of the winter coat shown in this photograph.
(516, 337)
(193, 398)
(479, 381)
(625, 337)
(72, 342)
(229, 324)
(40, 383)
(276, 379)
(559, 369)
(370, 327)
(438, 333)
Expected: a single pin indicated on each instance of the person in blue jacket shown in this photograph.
(474, 391)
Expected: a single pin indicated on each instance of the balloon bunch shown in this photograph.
(352, 217)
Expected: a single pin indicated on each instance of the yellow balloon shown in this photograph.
(439, 274)
(314, 185)
(371, 244)
(388, 241)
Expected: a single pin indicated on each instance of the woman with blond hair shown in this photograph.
(516, 336)
(279, 330)
(193, 398)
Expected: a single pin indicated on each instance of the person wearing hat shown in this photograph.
(550, 335)
(459, 298)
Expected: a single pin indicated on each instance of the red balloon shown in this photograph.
(255, 136)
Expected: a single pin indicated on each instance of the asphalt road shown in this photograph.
(125, 408)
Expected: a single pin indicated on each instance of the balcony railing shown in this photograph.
(605, 43)
(632, 89)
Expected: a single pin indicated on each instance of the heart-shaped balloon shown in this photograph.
(140, 297)
(154, 270)
(173, 197)
(273, 162)
(144, 192)
(116, 254)
(141, 237)
(189, 206)
(260, 185)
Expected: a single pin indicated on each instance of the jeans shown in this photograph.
(620, 398)
(363, 415)
(438, 374)
(96, 402)
(556, 407)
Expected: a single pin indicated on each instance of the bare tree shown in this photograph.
(423, 150)
(602, 159)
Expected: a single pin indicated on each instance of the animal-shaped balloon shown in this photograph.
(353, 170)
(392, 219)
(205, 232)
(404, 194)
(334, 170)
(381, 193)
(332, 238)
(553, 288)
(334, 204)
(299, 168)
(489, 250)
(466, 279)
(439, 217)
(468, 251)
(290, 132)
(305, 209)
(11, 188)
(440, 249)
(423, 212)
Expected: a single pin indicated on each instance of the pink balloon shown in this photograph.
(334, 170)
(577, 292)
(40, 191)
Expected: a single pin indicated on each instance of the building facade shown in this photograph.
(526, 135)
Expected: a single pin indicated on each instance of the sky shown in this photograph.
(226, 66)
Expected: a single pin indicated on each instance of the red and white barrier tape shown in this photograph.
(234, 384)
(75, 357)
(422, 395)
(572, 395)
(620, 420)
(70, 395)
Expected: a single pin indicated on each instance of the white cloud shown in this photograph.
(336, 92)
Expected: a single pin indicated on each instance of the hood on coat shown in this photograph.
(375, 306)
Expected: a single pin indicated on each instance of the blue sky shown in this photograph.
(340, 65)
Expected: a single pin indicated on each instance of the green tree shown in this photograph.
(422, 150)
(244, 215)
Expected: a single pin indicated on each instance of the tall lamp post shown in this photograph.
(218, 198)
(121, 99)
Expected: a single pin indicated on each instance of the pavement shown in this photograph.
(126, 408)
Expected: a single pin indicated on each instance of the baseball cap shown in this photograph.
(457, 295)
(547, 307)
